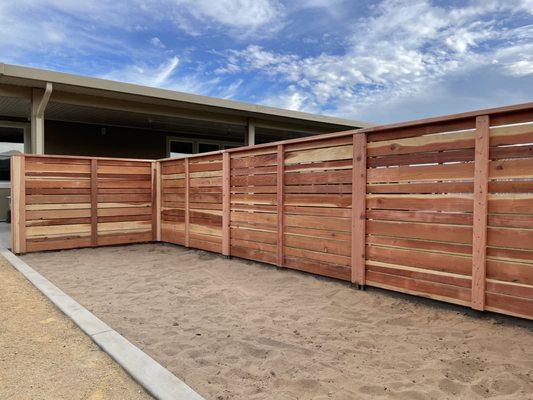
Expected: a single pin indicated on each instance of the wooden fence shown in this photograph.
(68, 202)
(440, 208)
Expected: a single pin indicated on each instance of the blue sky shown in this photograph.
(380, 61)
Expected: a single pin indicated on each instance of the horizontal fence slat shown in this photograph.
(414, 188)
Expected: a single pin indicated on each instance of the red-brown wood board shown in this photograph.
(70, 202)
(442, 208)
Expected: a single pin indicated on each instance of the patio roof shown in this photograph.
(86, 99)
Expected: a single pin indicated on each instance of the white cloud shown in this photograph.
(292, 99)
(168, 75)
(155, 41)
(235, 13)
(238, 18)
(520, 68)
(399, 51)
(158, 76)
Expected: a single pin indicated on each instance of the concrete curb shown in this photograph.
(152, 376)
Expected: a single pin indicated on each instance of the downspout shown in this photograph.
(39, 102)
(44, 100)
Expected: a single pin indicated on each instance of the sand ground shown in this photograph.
(43, 355)
(234, 329)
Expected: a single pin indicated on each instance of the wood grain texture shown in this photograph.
(154, 201)
(479, 240)
(18, 207)
(187, 203)
(70, 199)
(279, 201)
(158, 200)
(226, 170)
(94, 202)
(359, 179)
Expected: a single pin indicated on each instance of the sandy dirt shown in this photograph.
(234, 329)
(43, 355)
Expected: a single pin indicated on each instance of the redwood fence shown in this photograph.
(62, 202)
(440, 208)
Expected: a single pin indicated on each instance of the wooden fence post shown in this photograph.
(156, 210)
(226, 173)
(94, 202)
(279, 190)
(479, 240)
(358, 208)
(187, 239)
(18, 204)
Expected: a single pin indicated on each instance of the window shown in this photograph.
(206, 147)
(179, 149)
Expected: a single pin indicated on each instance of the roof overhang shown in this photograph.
(81, 91)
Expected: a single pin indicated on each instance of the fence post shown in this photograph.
(279, 190)
(186, 160)
(18, 204)
(156, 210)
(358, 208)
(94, 202)
(479, 239)
(226, 173)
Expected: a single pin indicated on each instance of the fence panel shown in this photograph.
(205, 202)
(124, 201)
(419, 214)
(317, 206)
(70, 202)
(57, 203)
(172, 181)
(253, 205)
(509, 284)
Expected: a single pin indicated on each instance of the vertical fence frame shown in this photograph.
(358, 209)
(226, 207)
(94, 202)
(480, 215)
(18, 204)
(155, 209)
(156, 206)
(280, 184)
(187, 205)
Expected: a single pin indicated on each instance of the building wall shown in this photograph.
(66, 138)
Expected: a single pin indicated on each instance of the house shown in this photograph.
(47, 112)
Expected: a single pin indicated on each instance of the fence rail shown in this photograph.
(440, 208)
(68, 202)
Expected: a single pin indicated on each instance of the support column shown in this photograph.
(479, 240)
(249, 140)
